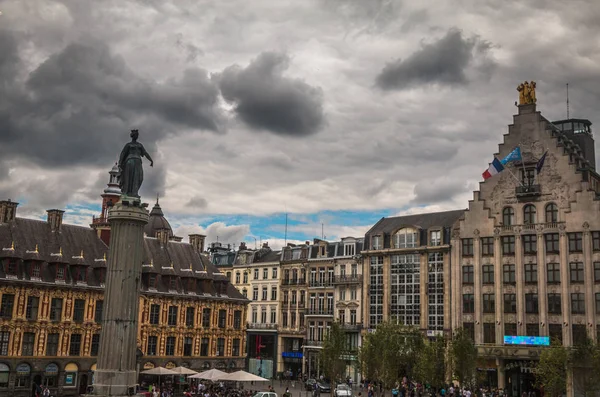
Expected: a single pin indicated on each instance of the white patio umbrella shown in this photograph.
(184, 371)
(211, 374)
(243, 376)
(159, 371)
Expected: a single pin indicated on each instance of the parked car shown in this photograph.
(310, 384)
(265, 394)
(324, 387)
(342, 390)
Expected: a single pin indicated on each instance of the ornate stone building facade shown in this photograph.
(51, 303)
(527, 251)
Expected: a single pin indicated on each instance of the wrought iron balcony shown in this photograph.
(528, 191)
(313, 343)
(320, 312)
(352, 327)
(319, 283)
(348, 279)
(293, 281)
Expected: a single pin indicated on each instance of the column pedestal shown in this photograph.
(116, 374)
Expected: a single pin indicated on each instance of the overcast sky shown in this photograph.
(337, 112)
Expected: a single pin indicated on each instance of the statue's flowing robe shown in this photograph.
(130, 164)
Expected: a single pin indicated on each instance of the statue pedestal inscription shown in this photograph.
(116, 374)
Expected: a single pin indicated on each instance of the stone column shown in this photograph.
(477, 283)
(498, 287)
(116, 371)
(542, 283)
(565, 282)
(520, 278)
(501, 373)
(588, 267)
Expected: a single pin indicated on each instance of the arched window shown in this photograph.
(529, 214)
(551, 213)
(406, 238)
(508, 216)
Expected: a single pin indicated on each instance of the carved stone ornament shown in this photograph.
(468, 289)
(511, 318)
(456, 234)
(476, 232)
(497, 232)
(562, 229)
(468, 318)
(586, 226)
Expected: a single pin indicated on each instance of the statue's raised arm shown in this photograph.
(130, 165)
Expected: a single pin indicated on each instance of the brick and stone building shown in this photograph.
(51, 302)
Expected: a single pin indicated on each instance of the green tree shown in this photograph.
(333, 352)
(389, 353)
(585, 363)
(551, 370)
(431, 365)
(463, 358)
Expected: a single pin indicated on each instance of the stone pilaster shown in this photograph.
(565, 283)
(499, 282)
(520, 279)
(116, 372)
(542, 283)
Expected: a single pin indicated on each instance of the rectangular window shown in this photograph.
(468, 303)
(579, 334)
(273, 316)
(75, 345)
(189, 316)
(488, 274)
(596, 272)
(376, 242)
(529, 244)
(596, 241)
(154, 314)
(552, 243)
(435, 238)
(487, 246)
(555, 332)
(60, 272)
(597, 303)
(237, 319)
(577, 303)
(52, 345)
(531, 303)
(206, 318)
(56, 309)
(31, 311)
(508, 245)
(235, 348)
(349, 249)
(6, 307)
(265, 274)
(274, 273)
(28, 344)
(576, 269)
(172, 316)
(4, 339)
(99, 311)
(467, 247)
(35, 270)
(532, 329)
(255, 293)
(170, 346)
(510, 329)
(489, 303)
(531, 273)
(489, 333)
(223, 318)
(469, 330)
(187, 346)
(508, 274)
(220, 347)
(575, 242)
(264, 293)
(204, 343)
(510, 303)
(256, 274)
(554, 304)
(553, 270)
(273, 293)
(79, 310)
(467, 274)
(95, 345)
(81, 274)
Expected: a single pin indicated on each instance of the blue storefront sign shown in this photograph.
(291, 354)
(527, 340)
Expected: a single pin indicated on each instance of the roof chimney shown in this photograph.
(265, 245)
(197, 241)
(162, 235)
(8, 211)
(55, 218)
(242, 246)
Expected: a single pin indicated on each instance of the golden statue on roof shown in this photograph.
(527, 93)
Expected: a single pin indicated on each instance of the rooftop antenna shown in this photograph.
(254, 242)
(285, 229)
(322, 231)
(567, 101)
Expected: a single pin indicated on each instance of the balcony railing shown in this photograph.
(313, 343)
(351, 327)
(293, 281)
(348, 279)
(528, 191)
(531, 226)
(319, 283)
(262, 326)
(320, 312)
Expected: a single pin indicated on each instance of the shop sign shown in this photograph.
(4, 368)
(148, 365)
(23, 369)
(291, 354)
(51, 369)
(170, 365)
(69, 380)
(527, 340)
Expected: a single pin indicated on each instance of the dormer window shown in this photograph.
(152, 281)
(242, 259)
(406, 238)
(191, 285)
(322, 250)
(296, 254)
(11, 267)
(35, 270)
(173, 283)
(349, 249)
(81, 274)
(377, 242)
(102, 276)
(435, 238)
(60, 272)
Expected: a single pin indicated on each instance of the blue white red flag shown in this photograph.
(496, 167)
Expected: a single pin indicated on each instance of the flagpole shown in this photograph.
(513, 175)
(523, 164)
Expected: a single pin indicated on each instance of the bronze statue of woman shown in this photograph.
(130, 165)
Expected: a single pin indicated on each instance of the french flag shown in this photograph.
(495, 168)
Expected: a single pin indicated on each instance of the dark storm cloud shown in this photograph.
(77, 107)
(264, 99)
(433, 192)
(197, 202)
(443, 62)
